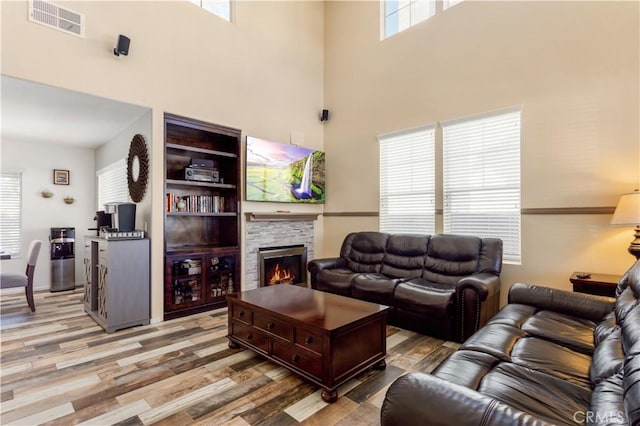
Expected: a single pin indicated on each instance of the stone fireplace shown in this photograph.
(282, 265)
(276, 230)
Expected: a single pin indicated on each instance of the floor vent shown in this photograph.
(54, 16)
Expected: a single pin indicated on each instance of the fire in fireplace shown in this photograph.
(282, 265)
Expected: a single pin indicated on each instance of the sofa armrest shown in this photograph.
(581, 305)
(316, 265)
(477, 300)
(423, 399)
(485, 284)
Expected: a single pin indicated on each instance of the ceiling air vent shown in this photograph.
(54, 16)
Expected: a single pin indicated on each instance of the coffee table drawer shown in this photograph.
(241, 314)
(309, 340)
(250, 336)
(273, 326)
(298, 358)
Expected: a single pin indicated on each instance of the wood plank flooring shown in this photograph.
(58, 367)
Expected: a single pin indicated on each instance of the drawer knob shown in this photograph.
(295, 358)
(241, 314)
(249, 336)
(271, 326)
(308, 340)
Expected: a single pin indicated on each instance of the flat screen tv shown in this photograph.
(283, 173)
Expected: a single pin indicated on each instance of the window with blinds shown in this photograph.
(11, 213)
(407, 181)
(112, 184)
(481, 167)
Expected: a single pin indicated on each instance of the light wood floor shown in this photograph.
(58, 367)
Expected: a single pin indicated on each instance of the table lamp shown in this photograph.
(628, 213)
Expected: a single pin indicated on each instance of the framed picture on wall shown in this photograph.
(61, 177)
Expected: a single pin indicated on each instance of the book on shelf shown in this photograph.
(194, 203)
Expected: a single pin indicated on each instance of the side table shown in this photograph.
(598, 284)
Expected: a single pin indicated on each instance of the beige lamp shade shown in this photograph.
(628, 209)
(628, 213)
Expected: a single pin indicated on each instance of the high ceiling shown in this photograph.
(33, 112)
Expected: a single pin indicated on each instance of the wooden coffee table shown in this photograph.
(325, 338)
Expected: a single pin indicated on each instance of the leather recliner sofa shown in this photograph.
(446, 286)
(548, 357)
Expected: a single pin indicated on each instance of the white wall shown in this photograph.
(118, 149)
(36, 162)
(572, 66)
(263, 73)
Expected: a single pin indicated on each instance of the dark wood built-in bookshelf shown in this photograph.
(202, 216)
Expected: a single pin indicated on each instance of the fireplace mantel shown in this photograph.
(279, 216)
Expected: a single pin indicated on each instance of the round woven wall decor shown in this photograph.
(137, 168)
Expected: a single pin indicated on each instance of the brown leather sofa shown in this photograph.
(446, 286)
(548, 357)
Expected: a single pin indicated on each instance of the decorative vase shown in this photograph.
(181, 206)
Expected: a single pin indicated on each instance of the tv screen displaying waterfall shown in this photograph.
(283, 173)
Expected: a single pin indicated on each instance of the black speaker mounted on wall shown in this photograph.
(324, 115)
(123, 46)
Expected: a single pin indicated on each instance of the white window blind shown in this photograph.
(10, 212)
(220, 8)
(481, 163)
(402, 14)
(112, 184)
(407, 181)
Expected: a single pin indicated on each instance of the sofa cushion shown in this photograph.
(466, 368)
(625, 304)
(490, 259)
(540, 394)
(422, 296)
(423, 399)
(631, 384)
(336, 280)
(425, 307)
(376, 288)
(608, 358)
(552, 359)
(607, 401)
(451, 257)
(628, 311)
(364, 251)
(605, 328)
(405, 255)
(575, 333)
(630, 331)
(513, 314)
(495, 339)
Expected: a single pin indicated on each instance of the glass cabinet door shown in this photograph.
(186, 282)
(221, 277)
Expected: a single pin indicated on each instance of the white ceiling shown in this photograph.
(33, 112)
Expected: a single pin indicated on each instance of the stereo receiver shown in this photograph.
(201, 174)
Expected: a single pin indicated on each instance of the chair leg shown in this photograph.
(29, 292)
